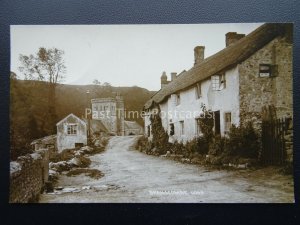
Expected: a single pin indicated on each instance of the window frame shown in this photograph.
(217, 80)
(182, 128)
(71, 131)
(198, 130)
(172, 129)
(198, 90)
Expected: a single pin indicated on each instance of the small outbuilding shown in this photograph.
(71, 133)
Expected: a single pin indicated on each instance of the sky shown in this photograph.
(122, 55)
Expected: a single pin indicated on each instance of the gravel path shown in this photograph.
(131, 176)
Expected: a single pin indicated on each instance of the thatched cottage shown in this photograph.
(234, 84)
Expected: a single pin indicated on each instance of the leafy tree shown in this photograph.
(96, 82)
(46, 65)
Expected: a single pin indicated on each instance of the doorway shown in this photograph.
(217, 123)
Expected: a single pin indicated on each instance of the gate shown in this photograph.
(273, 141)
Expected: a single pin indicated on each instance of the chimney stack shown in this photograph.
(199, 54)
(232, 37)
(173, 76)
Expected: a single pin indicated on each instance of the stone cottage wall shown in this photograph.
(256, 92)
(289, 136)
(28, 175)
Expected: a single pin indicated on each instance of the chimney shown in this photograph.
(199, 54)
(232, 37)
(173, 76)
(164, 79)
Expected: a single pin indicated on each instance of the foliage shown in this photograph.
(46, 65)
(178, 148)
(206, 123)
(160, 136)
(197, 145)
(217, 145)
(28, 102)
(203, 145)
(141, 143)
(243, 141)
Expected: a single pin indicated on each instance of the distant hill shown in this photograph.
(29, 102)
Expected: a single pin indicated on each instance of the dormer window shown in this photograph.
(218, 82)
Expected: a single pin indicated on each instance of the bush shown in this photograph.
(178, 148)
(141, 143)
(160, 136)
(216, 147)
(242, 141)
(202, 145)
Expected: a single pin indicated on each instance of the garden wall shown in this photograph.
(28, 175)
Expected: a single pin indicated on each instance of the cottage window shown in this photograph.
(172, 131)
(198, 127)
(72, 129)
(218, 82)
(227, 122)
(181, 127)
(198, 91)
(177, 99)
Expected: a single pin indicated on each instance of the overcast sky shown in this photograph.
(123, 55)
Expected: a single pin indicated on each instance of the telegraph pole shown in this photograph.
(88, 118)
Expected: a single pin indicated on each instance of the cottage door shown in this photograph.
(217, 122)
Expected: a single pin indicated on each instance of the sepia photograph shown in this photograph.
(151, 113)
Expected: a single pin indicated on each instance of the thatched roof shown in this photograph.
(224, 59)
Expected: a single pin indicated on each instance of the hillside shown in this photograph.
(29, 102)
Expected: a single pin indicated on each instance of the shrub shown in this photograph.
(160, 136)
(207, 123)
(243, 141)
(141, 143)
(177, 148)
(202, 145)
(217, 145)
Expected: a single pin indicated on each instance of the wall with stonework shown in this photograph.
(28, 175)
(256, 92)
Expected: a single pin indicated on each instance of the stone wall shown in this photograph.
(256, 92)
(28, 175)
(289, 142)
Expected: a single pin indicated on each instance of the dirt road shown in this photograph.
(131, 176)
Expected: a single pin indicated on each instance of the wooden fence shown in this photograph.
(273, 141)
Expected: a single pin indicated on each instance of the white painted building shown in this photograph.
(216, 83)
(71, 133)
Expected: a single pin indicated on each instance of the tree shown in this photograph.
(96, 82)
(46, 65)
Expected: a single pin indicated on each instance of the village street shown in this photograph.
(131, 176)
